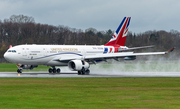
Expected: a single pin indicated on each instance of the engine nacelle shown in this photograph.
(77, 65)
(130, 58)
(21, 66)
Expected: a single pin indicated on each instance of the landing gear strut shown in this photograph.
(54, 70)
(19, 70)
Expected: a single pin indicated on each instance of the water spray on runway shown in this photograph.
(154, 65)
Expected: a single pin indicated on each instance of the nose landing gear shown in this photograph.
(19, 70)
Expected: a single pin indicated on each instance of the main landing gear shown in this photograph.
(54, 70)
(84, 72)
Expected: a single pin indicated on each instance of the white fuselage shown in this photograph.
(50, 54)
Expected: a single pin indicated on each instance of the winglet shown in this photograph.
(170, 50)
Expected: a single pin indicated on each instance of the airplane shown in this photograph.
(76, 57)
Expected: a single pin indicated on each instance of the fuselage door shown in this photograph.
(24, 52)
(45, 51)
(83, 53)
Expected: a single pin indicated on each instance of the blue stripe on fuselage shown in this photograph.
(55, 55)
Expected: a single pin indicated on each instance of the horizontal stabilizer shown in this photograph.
(135, 48)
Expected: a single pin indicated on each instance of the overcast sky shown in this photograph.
(99, 14)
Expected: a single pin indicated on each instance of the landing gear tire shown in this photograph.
(58, 70)
(19, 70)
(50, 70)
(87, 72)
(54, 70)
(84, 72)
(79, 72)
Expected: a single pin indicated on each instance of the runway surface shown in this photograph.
(95, 74)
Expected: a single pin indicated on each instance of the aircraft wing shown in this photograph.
(124, 54)
(110, 56)
(135, 48)
(121, 55)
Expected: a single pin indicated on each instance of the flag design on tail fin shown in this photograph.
(119, 37)
(10, 46)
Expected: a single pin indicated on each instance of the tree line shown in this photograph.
(21, 29)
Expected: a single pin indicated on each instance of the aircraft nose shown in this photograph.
(7, 56)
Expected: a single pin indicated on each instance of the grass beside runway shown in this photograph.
(89, 93)
(9, 67)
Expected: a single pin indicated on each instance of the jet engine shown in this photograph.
(77, 65)
(21, 66)
(130, 58)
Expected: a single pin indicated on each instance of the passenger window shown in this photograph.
(9, 51)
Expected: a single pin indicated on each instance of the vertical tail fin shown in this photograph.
(119, 37)
(10, 46)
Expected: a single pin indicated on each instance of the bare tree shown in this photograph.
(21, 19)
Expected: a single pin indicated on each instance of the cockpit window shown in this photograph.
(14, 51)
